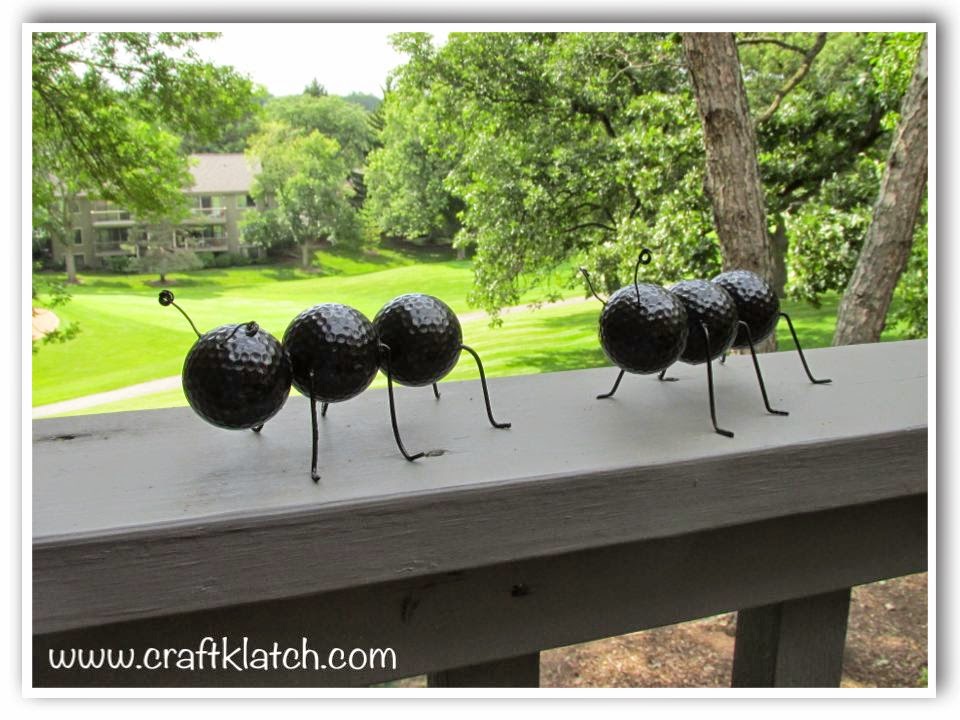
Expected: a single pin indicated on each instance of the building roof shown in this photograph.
(222, 172)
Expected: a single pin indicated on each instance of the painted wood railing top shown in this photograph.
(155, 512)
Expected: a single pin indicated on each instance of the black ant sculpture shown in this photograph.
(335, 352)
(758, 308)
(235, 376)
(704, 328)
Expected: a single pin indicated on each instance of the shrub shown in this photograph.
(119, 263)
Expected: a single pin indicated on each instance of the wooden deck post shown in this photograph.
(522, 671)
(797, 643)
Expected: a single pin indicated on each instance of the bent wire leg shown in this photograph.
(662, 376)
(483, 383)
(393, 412)
(323, 409)
(436, 392)
(800, 351)
(313, 423)
(614, 389)
(713, 406)
(756, 366)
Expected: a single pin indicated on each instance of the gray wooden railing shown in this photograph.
(587, 519)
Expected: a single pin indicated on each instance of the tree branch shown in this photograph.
(794, 79)
(767, 40)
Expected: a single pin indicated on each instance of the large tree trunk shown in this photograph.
(305, 255)
(733, 174)
(886, 250)
(780, 245)
(70, 264)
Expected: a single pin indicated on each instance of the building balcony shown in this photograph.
(111, 218)
(211, 213)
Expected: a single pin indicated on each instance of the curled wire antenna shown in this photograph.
(166, 298)
(586, 275)
(645, 257)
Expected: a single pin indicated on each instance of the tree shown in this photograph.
(563, 146)
(733, 175)
(315, 89)
(580, 148)
(368, 102)
(405, 177)
(344, 121)
(163, 261)
(303, 185)
(886, 251)
(108, 110)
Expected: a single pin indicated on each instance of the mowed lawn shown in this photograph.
(128, 338)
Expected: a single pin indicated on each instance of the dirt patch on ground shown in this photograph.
(886, 647)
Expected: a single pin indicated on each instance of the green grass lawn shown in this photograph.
(128, 338)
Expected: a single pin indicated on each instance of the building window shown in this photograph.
(111, 238)
(78, 237)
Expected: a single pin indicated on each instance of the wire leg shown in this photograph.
(662, 376)
(756, 366)
(713, 406)
(393, 412)
(313, 423)
(614, 389)
(800, 351)
(323, 409)
(483, 383)
(257, 428)
(436, 392)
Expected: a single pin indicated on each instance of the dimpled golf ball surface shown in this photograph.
(339, 345)
(643, 335)
(236, 380)
(711, 305)
(757, 304)
(424, 337)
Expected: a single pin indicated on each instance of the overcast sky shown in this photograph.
(344, 58)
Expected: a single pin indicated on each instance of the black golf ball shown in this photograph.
(643, 328)
(711, 305)
(237, 376)
(424, 338)
(757, 304)
(333, 352)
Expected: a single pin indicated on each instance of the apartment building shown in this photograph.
(218, 198)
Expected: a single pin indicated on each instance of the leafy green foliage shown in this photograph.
(581, 148)
(303, 187)
(368, 102)
(109, 109)
(405, 192)
(911, 312)
(108, 113)
(344, 121)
